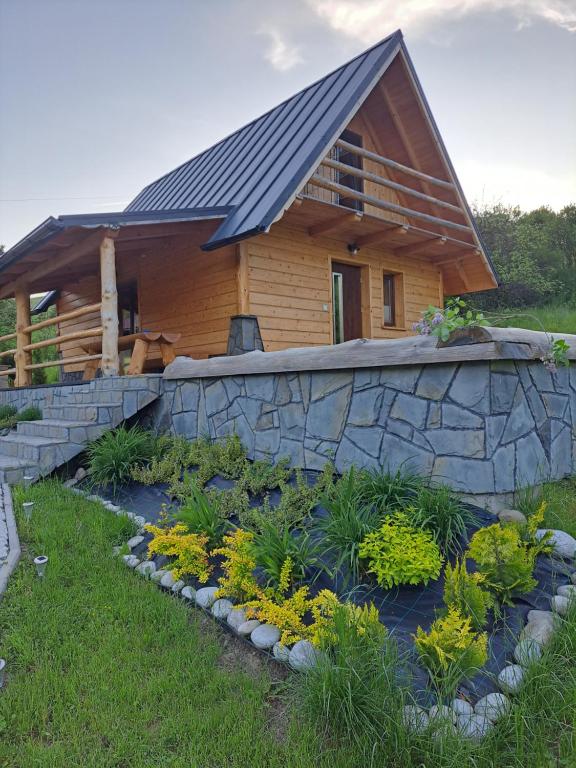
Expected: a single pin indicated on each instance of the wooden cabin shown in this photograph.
(334, 216)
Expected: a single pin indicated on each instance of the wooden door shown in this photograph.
(346, 302)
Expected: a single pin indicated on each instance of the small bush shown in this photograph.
(352, 692)
(397, 553)
(238, 581)
(169, 456)
(230, 502)
(113, 457)
(451, 650)
(187, 549)
(260, 476)
(201, 515)
(504, 560)
(463, 590)
(296, 503)
(7, 412)
(388, 491)
(31, 413)
(438, 509)
(275, 545)
(346, 524)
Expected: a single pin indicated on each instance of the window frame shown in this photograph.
(397, 307)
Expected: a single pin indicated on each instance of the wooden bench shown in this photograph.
(140, 345)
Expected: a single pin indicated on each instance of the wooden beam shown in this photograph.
(109, 309)
(242, 277)
(321, 181)
(87, 333)
(336, 221)
(88, 245)
(415, 248)
(86, 310)
(446, 261)
(376, 158)
(385, 182)
(381, 234)
(63, 361)
(462, 274)
(22, 357)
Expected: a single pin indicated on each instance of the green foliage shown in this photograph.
(296, 503)
(397, 553)
(346, 524)
(260, 476)
(113, 457)
(352, 692)
(387, 491)
(169, 456)
(31, 413)
(275, 544)
(504, 560)
(7, 412)
(440, 511)
(229, 502)
(451, 650)
(441, 322)
(201, 515)
(463, 590)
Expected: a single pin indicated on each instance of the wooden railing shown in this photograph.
(23, 355)
(328, 174)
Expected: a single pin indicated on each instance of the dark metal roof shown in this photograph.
(260, 168)
(53, 226)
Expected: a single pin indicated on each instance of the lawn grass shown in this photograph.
(107, 671)
(554, 318)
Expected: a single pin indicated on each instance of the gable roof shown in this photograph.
(259, 169)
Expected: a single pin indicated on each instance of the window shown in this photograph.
(338, 303)
(128, 313)
(393, 299)
(347, 179)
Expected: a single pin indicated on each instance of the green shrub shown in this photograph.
(275, 544)
(30, 413)
(346, 524)
(352, 692)
(464, 591)
(230, 502)
(200, 515)
(296, 503)
(504, 560)
(451, 650)
(388, 491)
(7, 412)
(260, 476)
(438, 509)
(397, 553)
(113, 457)
(170, 455)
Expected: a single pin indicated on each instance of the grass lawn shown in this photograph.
(554, 318)
(105, 670)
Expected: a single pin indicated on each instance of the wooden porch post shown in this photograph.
(109, 311)
(22, 358)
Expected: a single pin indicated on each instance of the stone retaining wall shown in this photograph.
(486, 428)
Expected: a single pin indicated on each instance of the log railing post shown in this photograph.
(109, 310)
(22, 358)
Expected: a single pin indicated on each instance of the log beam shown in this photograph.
(416, 248)
(376, 237)
(109, 310)
(22, 358)
(333, 223)
(242, 275)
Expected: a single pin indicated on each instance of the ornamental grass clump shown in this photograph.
(451, 650)
(275, 544)
(200, 514)
(464, 591)
(504, 560)
(113, 457)
(438, 509)
(188, 550)
(397, 553)
(387, 491)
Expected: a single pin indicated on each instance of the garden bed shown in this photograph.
(401, 609)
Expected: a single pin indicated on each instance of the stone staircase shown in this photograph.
(73, 416)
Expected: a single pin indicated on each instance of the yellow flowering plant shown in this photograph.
(238, 581)
(451, 650)
(188, 550)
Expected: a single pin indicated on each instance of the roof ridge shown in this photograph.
(396, 33)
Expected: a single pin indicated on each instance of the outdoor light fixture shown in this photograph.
(353, 249)
(40, 563)
(2, 672)
(27, 507)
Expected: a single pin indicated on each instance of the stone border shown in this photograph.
(472, 722)
(9, 524)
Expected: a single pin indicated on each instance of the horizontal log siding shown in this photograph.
(290, 281)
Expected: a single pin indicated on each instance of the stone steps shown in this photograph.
(72, 417)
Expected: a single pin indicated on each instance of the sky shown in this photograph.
(100, 97)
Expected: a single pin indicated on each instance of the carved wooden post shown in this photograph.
(109, 311)
(22, 358)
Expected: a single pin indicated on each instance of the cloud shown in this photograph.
(371, 20)
(280, 53)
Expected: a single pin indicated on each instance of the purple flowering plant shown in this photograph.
(441, 322)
